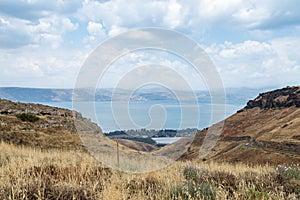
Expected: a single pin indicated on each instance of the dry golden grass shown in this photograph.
(26, 173)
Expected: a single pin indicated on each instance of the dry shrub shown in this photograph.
(222, 179)
(57, 182)
(148, 186)
(37, 190)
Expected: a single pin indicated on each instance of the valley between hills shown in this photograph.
(49, 153)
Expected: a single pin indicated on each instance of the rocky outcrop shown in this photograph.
(281, 98)
(236, 139)
(13, 108)
(290, 147)
(296, 137)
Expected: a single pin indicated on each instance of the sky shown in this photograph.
(254, 44)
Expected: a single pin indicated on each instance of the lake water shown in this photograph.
(151, 114)
(166, 140)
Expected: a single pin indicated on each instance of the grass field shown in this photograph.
(27, 173)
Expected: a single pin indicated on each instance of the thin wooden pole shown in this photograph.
(118, 158)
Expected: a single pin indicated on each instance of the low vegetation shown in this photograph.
(28, 117)
(27, 173)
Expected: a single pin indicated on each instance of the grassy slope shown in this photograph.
(27, 173)
(38, 134)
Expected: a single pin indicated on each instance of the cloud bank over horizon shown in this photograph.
(252, 43)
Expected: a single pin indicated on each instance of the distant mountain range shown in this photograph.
(66, 95)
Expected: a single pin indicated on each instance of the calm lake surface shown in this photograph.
(153, 114)
(166, 140)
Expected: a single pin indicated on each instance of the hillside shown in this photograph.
(266, 130)
(47, 128)
(53, 129)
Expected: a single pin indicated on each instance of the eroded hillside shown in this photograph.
(267, 130)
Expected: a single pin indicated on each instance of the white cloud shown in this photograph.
(251, 17)
(14, 33)
(268, 15)
(40, 67)
(192, 17)
(50, 30)
(287, 47)
(52, 39)
(174, 16)
(115, 30)
(95, 28)
(248, 49)
(27, 67)
(4, 22)
(263, 48)
(96, 33)
(257, 64)
(139, 66)
(216, 8)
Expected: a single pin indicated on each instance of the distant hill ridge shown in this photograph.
(106, 94)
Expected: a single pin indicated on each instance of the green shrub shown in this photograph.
(28, 117)
(289, 171)
(191, 173)
(256, 194)
(191, 190)
(207, 191)
(292, 173)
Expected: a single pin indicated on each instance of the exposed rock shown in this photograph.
(296, 137)
(290, 147)
(236, 139)
(281, 98)
(11, 108)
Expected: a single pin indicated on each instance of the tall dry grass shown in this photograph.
(27, 173)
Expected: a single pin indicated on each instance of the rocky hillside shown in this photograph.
(39, 125)
(47, 127)
(267, 130)
(281, 98)
(13, 108)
